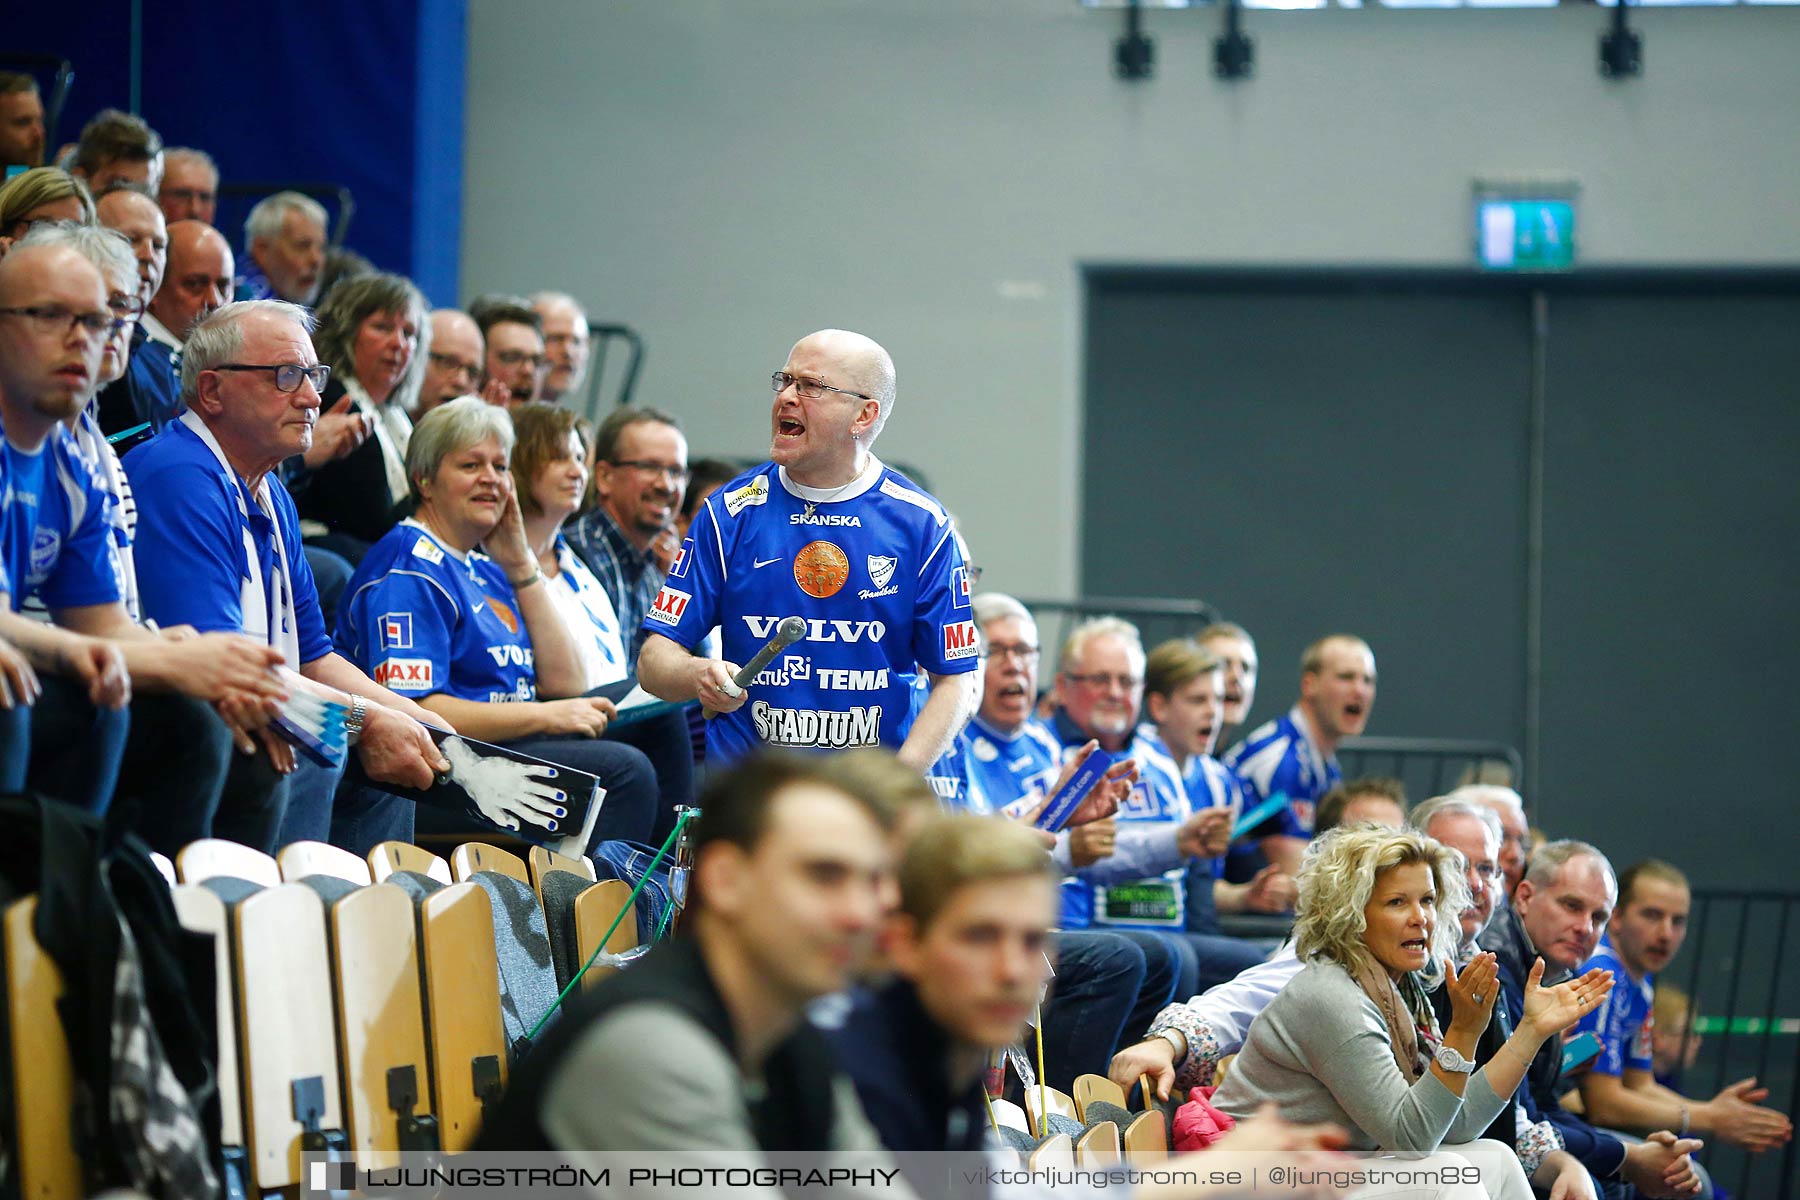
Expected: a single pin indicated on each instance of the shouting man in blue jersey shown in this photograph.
(1296, 754)
(826, 532)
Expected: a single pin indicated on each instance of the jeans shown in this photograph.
(76, 748)
(183, 779)
(1108, 988)
(664, 742)
(15, 748)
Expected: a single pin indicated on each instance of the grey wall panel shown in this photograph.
(1326, 460)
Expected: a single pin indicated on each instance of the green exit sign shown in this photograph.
(1525, 235)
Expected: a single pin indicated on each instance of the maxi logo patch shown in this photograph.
(881, 569)
(396, 631)
(404, 674)
(959, 588)
(684, 558)
(960, 641)
(821, 569)
(670, 604)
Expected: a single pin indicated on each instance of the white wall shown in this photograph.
(727, 175)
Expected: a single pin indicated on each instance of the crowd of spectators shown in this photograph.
(233, 475)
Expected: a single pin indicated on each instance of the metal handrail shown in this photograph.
(600, 334)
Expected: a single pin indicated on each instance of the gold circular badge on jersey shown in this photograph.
(821, 569)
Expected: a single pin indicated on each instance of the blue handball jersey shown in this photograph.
(1279, 757)
(874, 571)
(422, 621)
(1014, 771)
(1623, 1021)
(55, 532)
(1210, 784)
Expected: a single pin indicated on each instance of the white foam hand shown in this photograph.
(506, 791)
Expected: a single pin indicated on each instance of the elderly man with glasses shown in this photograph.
(827, 532)
(219, 549)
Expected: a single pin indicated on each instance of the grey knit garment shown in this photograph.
(1100, 1111)
(331, 889)
(528, 986)
(415, 884)
(1018, 1139)
(560, 890)
(232, 890)
(1057, 1123)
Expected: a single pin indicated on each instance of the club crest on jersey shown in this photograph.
(881, 569)
(754, 492)
(46, 546)
(396, 631)
(428, 550)
(821, 569)
(684, 558)
(960, 641)
(959, 588)
(507, 616)
(669, 605)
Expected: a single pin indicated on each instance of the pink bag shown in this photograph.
(1198, 1124)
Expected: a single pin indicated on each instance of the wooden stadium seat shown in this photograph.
(1099, 1146)
(209, 858)
(1222, 1068)
(1056, 1154)
(1089, 1088)
(381, 1023)
(43, 1076)
(1147, 1138)
(285, 1026)
(462, 999)
(297, 860)
(471, 857)
(1008, 1115)
(164, 865)
(594, 913)
(201, 911)
(1055, 1101)
(543, 860)
(389, 857)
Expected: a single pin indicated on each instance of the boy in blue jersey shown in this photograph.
(1619, 1089)
(1185, 701)
(826, 532)
(1296, 754)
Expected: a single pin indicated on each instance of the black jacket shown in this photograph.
(795, 1112)
(898, 1057)
(349, 495)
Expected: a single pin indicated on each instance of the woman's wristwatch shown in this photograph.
(1448, 1058)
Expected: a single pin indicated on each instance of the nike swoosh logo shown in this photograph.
(763, 562)
(479, 606)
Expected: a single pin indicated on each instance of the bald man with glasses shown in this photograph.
(827, 532)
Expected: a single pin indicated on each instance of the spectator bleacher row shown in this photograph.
(298, 572)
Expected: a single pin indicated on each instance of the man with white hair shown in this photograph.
(565, 345)
(219, 549)
(285, 241)
(1515, 840)
(190, 185)
(829, 533)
